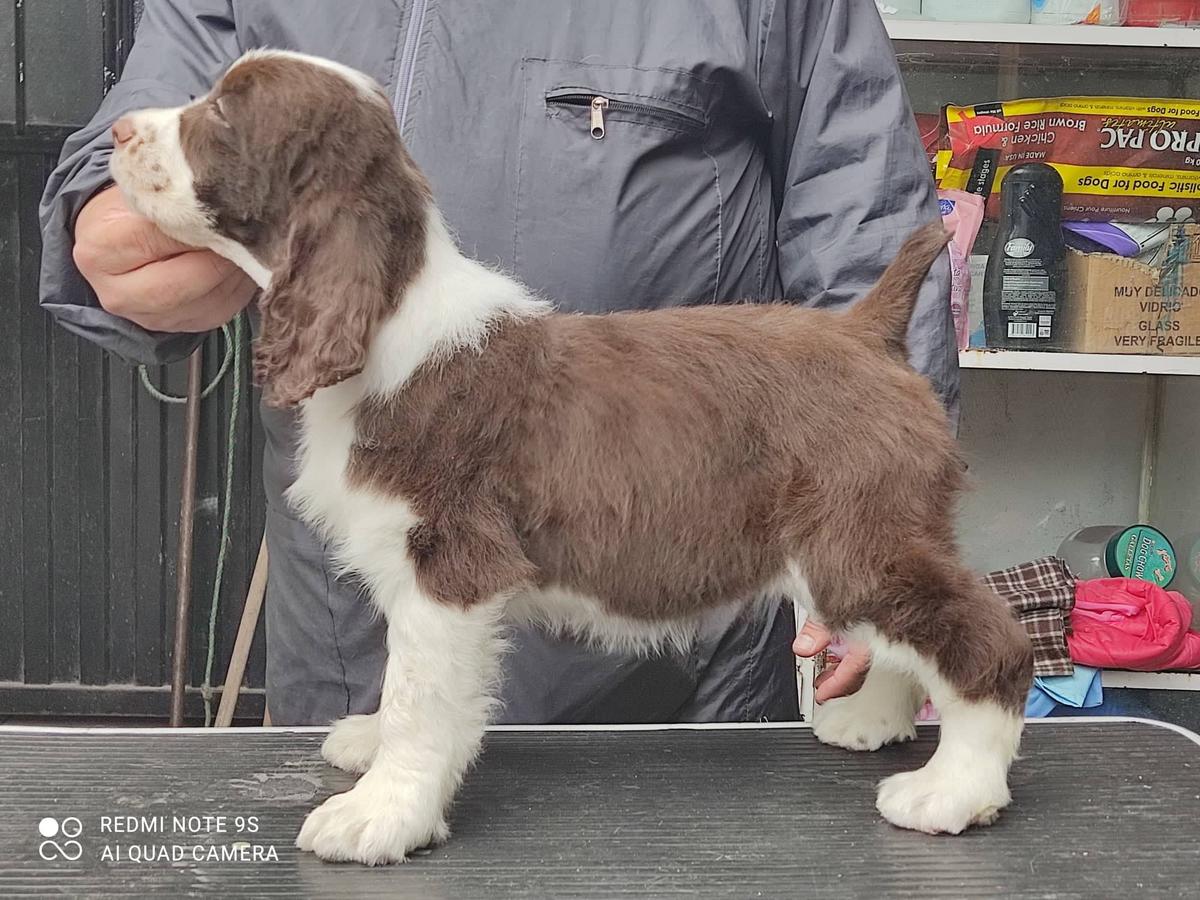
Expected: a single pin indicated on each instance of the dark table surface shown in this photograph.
(1102, 808)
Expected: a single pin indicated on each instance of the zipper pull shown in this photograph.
(599, 105)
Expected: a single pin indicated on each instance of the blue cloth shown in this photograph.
(1082, 690)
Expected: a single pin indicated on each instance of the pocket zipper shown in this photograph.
(599, 105)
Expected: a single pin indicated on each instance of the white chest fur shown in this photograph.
(448, 308)
(367, 532)
(319, 493)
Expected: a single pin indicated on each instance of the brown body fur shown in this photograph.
(666, 462)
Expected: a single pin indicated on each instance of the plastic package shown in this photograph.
(1079, 12)
(1163, 12)
(962, 213)
(930, 127)
(1099, 237)
(1122, 159)
(978, 10)
(977, 264)
(1132, 241)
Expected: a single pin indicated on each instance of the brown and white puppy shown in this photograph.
(473, 456)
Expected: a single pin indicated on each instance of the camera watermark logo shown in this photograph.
(157, 839)
(60, 840)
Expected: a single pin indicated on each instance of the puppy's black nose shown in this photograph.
(123, 131)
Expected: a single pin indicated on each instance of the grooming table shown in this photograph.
(1102, 808)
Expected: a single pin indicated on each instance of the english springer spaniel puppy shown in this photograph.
(474, 457)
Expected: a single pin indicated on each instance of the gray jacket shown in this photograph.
(753, 150)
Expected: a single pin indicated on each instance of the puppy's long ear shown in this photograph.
(343, 271)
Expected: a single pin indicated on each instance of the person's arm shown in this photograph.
(104, 269)
(852, 181)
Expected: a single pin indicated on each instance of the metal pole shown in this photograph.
(187, 507)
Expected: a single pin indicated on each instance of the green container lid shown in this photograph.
(1141, 552)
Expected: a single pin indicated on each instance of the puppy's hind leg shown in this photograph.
(882, 711)
(972, 655)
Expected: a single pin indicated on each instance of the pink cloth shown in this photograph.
(1123, 623)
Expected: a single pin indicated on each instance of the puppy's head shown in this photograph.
(291, 167)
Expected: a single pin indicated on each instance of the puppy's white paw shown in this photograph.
(376, 823)
(352, 743)
(941, 799)
(862, 724)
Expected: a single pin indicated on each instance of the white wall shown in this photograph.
(1050, 452)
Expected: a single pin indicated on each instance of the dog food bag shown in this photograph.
(1121, 159)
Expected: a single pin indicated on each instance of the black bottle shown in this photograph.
(1024, 287)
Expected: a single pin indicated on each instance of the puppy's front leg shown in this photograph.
(442, 667)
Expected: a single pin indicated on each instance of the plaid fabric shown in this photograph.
(1042, 594)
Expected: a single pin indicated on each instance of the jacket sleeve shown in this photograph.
(852, 180)
(181, 46)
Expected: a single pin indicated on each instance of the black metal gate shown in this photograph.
(89, 461)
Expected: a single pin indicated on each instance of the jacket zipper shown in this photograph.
(408, 59)
(599, 105)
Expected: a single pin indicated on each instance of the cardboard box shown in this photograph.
(1117, 305)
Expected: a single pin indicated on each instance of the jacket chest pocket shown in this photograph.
(602, 109)
(618, 201)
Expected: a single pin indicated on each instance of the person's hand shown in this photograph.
(844, 678)
(144, 276)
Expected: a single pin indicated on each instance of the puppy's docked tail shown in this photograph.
(884, 313)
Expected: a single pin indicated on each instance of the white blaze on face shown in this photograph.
(157, 182)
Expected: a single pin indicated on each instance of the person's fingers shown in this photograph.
(236, 294)
(166, 285)
(243, 289)
(169, 301)
(218, 306)
(811, 639)
(111, 239)
(846, 677)
(140, 243)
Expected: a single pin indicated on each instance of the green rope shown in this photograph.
(233, 357)
(231, 349)
(235, 404)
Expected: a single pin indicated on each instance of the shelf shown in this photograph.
(1153, 681)
(1063, 35)
(1079, 362)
